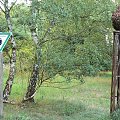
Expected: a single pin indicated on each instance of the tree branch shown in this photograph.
(13, 4)
(5, 4)
(2, 10)
(52, 23)
(1, 7)
(2, 2)
(63, 87)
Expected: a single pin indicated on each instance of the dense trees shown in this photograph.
(65, 37)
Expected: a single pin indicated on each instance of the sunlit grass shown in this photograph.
(88, 101)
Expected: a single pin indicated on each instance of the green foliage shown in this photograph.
(92, 58)
(25, 55)
(3, 24)
(88, 59)
(77, 25)
(76, 42)
(58, 59)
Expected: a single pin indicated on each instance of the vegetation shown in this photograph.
(89, 101)
(60, 47)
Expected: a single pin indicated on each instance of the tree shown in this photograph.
(54, 55)
(31, 89)
(68, 39)
(9, 82)
(35, 80)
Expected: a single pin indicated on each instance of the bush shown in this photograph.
(92, 59)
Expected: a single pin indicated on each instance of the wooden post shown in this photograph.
(115, 84)
(118, 78)
(1, 83)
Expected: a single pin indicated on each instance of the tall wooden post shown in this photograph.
(115, 84)
(1, 83)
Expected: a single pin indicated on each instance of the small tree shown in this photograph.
(43, 69)
(57, 47)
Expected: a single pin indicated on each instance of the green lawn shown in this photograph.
(88, 101)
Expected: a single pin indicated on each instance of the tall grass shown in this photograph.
(88, 101)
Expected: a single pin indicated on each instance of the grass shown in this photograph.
(89, 101)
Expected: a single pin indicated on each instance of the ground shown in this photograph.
(87, 101)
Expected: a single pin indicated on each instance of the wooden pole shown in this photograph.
(118, 80)
(115, 84)
(1, 84)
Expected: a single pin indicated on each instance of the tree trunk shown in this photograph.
(9, 82)
(31, 89)
(32, 85)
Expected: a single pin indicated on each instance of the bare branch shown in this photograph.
(52, 24)
(2, 2)
(53, 39)
(54, 82)
(13, 4)
(2, 9)
(5, 4)
(63, 37)
(63, 87)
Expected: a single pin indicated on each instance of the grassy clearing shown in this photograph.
(89, 101)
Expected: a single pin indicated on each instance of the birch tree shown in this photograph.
(31, 89)
(8, 87)
(63, 45)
